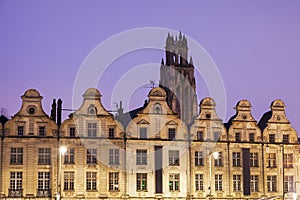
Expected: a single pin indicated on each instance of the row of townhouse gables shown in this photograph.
(32, 121)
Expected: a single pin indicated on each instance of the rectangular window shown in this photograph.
(199, 182)
(114, 157)
(253, 159)
(216, 136)
(113, 181)
(218, 182)
(272, 183)
(143, 133)
(16, 156)
(272, 138)
(199, 158)
(289, 184)
(254, 183)
(237, 137)
(288, 160)
(91, 181)
(111, 132)
(200, 136)
(236, 182)
(20, 130)
(219, 160)
(271, 160)
(72, 131)
(172, 133)
(141, 157)
(69, 156)
(15, 188)
(173, 157)
(92, 129)
(251, 137)
(141, 182)
(68, 180)
(174, 182)
(43, 180)
(91, 156)
(285, 139)
(236, 159)
(44, 156)
(42, 131)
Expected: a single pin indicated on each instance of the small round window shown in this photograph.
(157, 109)
(92, 110)
(208, 116)
(31, 110)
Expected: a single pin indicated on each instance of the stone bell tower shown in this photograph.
(177, 78)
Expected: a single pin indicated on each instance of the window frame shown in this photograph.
(16, 156)
(141, 157)
(141, 182)
(174, 159)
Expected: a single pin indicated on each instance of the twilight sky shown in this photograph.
(254, 44)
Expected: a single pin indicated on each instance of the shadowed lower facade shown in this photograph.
(153, 156)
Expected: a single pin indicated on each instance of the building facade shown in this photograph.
(155, 156)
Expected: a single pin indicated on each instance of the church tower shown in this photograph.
(177, 78)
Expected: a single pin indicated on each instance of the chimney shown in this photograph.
(59, 108)
(53, 111)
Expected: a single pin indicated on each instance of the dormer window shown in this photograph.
(237, 137)
(251, 137)
(42, 131)
(20, 130)
(143, 133)
(171, 133)
(285, 139)
(200, 136)
(272, 138)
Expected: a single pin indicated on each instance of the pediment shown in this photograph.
(172, 122)
(143, 122)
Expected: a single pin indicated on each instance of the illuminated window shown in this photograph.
(254, 183)
(199, 182)
(218, 182)
(69, 156)
(174, 182)
(68, 180)
(219, 160)
(288, 160)
(271, 160)
(289, 184)
(236, 159)
(113, 181)
(91, 181)
(141, 182)
(272, 183)
(253, 159)
(236, 182)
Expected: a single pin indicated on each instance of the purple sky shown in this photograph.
(255, 45)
